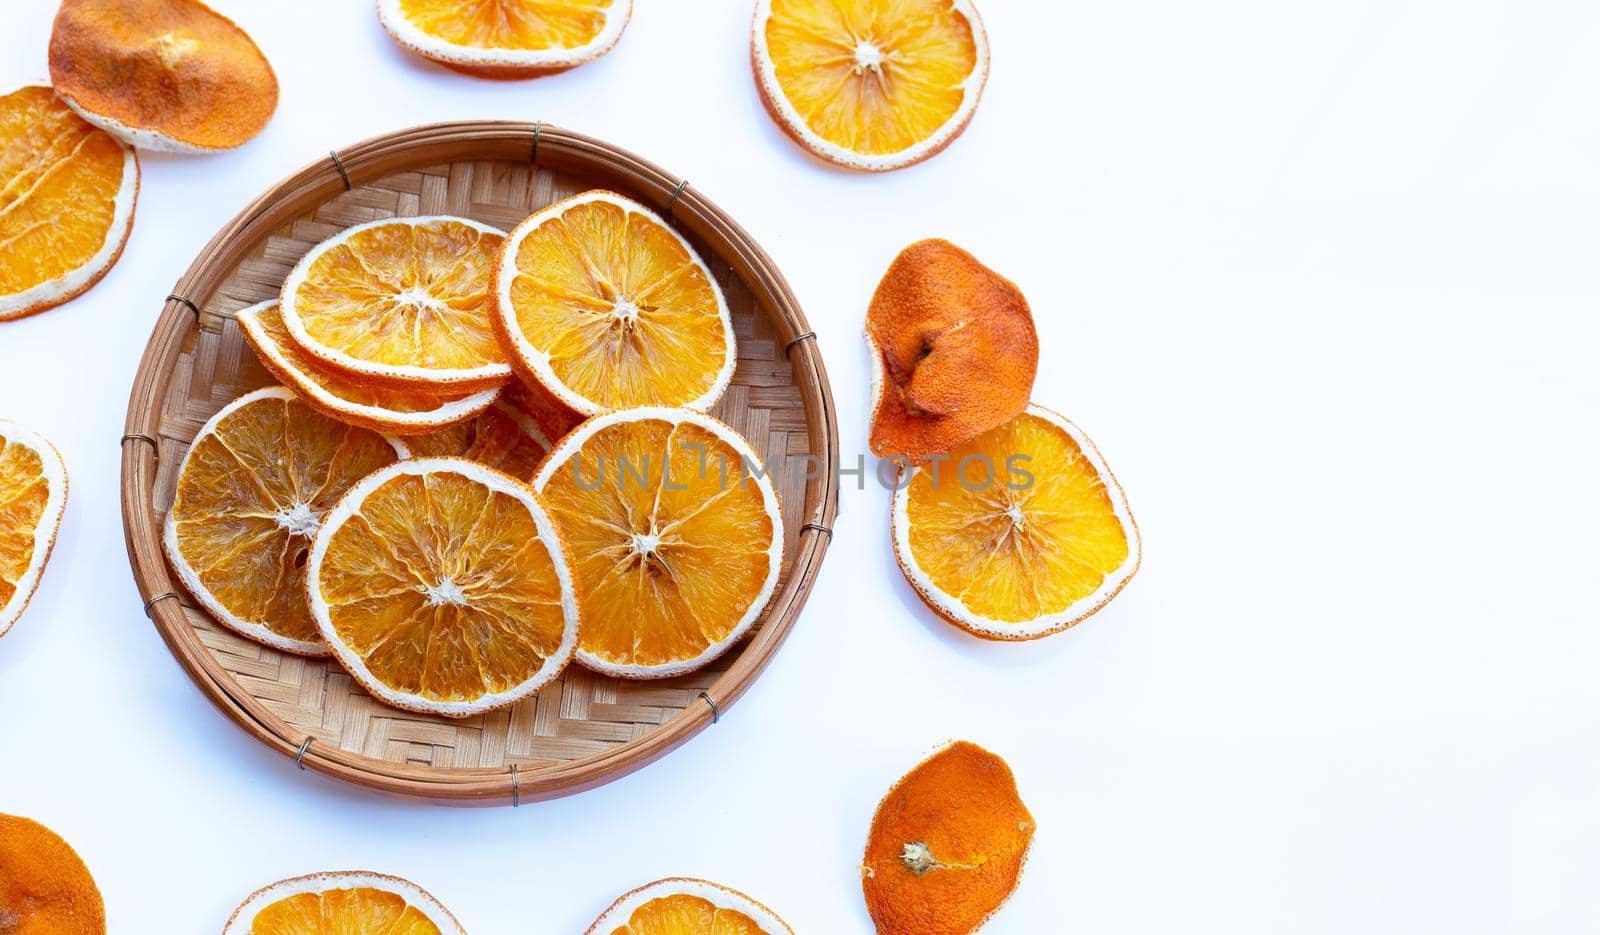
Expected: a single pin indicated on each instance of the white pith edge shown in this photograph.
(57, 290)
(496, 481)
(44, 535)
(451, 412)
(1047, 623)
(504, 408)
(435, 376)
(972, 90)
(408, 35)
(539, 361)
(575, 440)
(191, 579)
(243, 919)
(153, 140)
(717, 895)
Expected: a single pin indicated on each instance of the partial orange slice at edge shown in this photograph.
(343, 901)
(33, 497)
(509, 39)
(684, 906)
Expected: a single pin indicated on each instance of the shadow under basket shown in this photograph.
(586, 729)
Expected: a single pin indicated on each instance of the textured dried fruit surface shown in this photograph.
(677, 544)
(33, 495)
(955, 347)
(554, 418)
(252, 491)
(507, 38)
(404, 302)
(607, 307)
(500, 437)
(162, 74)
(67, 193)
(867, 83)
(947, 845)
(44, 887)
(345, 903)
(688, 907)
(443, 587)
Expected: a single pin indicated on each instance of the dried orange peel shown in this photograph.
(870, 85)
(954, 351)
(67, 196)
(161, 74)
(502, 437)
(682, 906)
(33, 497)
(346, 901)
(947, 845)
(507, 39)
(45, 889)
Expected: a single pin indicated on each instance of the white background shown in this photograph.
(1320, 279)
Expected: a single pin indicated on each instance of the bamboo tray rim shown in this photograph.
(315, 184)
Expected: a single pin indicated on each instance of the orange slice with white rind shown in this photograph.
(401, 302)
(67, 194)
(443, 587)
(1021, 533)
(683, 906)
(350, 901)
(162, 74)
(502, 437)
(33, 497)
(870, 85)
(677, 543)
(383, 409)
(251, 492)
(507, 39)
(604, 304)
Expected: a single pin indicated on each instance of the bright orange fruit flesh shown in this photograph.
(1009, 554)
(510, 24)
(493, 438)
(250, 497)
(684, 914)
(355, 911)
(625, 314)
(24, 494)
(670, 550)
(872, 76)
(59, 179)
(405, 294)
(45, 889)
(444, 588)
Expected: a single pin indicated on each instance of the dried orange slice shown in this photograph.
(507, 38)
(683, 906)
(162, 74)
(45, 889)
(67, 193)
(677, 542)
(443, 587)
(350, 902)
(33, 495)
(537, 404)
(954, 351)
(251, 493)
(1022, 533)
(401, 302)
(605, 305)
(501, 437)
(383, 409)
(867, 84)
(947, 845)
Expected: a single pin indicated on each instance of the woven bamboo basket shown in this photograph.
(586, 729)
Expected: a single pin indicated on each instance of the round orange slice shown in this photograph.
(401, 302)
(350, 901)
(1020, 533)
(33, 496)
(382, 409)
(67, 193)
(608, 307)
(947, 845)
(870, 85)
(502, 437)
(251, 493)
(45, 889)
(676, 538)
(162, 74)
(509, 38)
(682, 906)
(443, 587)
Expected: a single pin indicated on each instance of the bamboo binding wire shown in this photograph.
(585, 730)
